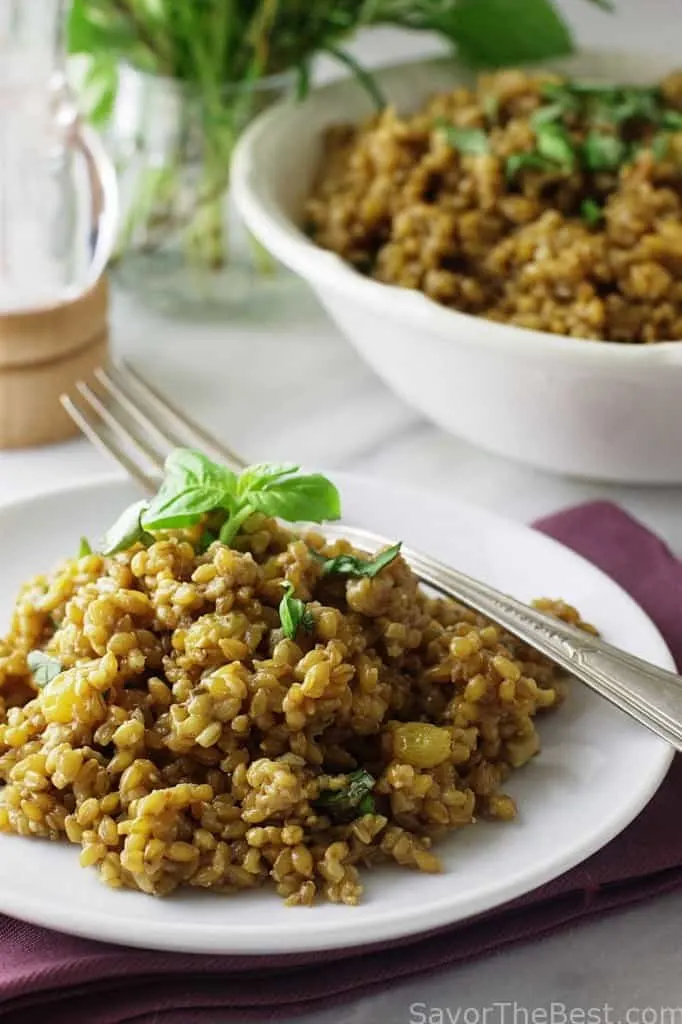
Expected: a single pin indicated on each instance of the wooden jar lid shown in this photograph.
(42, 355)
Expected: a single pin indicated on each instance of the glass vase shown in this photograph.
(181, 246)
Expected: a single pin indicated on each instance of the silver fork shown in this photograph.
(131, 422)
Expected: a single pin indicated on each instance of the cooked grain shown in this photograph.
(402, 205)
(187, 742)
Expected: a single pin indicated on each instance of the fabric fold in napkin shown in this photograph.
(45, 975)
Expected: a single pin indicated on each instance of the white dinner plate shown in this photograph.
(596, 771)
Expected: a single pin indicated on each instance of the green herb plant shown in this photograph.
(222, 53)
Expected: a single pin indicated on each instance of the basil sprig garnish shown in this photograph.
(352, 565)
(44, 668)
(293, 613)
(194, 486)
(352, 801)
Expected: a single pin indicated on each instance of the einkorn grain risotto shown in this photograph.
(533, 200)
(170, 727)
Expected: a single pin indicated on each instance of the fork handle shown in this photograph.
(651, 695)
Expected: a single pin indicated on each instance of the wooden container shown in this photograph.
(42, 355)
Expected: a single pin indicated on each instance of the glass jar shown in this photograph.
(181, 247)
(57, 187)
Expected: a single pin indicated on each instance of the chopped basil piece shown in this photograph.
(591, 212)
(554, 143)
(354, 800)
(527, 161)
(351, 565)
(293, 613)
(603, 152)
(43, 668)
(549, 113)
(468, 141)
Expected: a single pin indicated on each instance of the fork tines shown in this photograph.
(132, 423)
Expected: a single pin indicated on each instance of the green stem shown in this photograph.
(363, 76)
(233, 525)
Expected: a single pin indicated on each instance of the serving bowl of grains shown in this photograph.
(262, 741)
(505, 251)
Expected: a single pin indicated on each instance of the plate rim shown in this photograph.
(395, 925)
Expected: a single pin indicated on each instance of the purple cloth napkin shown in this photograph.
(45, 975)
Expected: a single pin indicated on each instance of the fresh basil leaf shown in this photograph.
(533, 161)
(352, 801)
(351, 565)
(367, 805)
(196, 470)
(311, 498)
(43, 667)
(603, 152)
(173, 509)
(554, 143)
(660, 146)
(192, 486)
(548, 114)
(671, 120)
(262, 473)
(127, 530)
(494, 33)
(293, 613)
(468, 141)
(591, 212)
(84, 548)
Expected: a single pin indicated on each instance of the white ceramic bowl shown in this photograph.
(601, 410)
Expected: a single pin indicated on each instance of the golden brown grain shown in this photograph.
(398, 202)
(187, 741)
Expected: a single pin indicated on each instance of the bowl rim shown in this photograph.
(280, 233)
